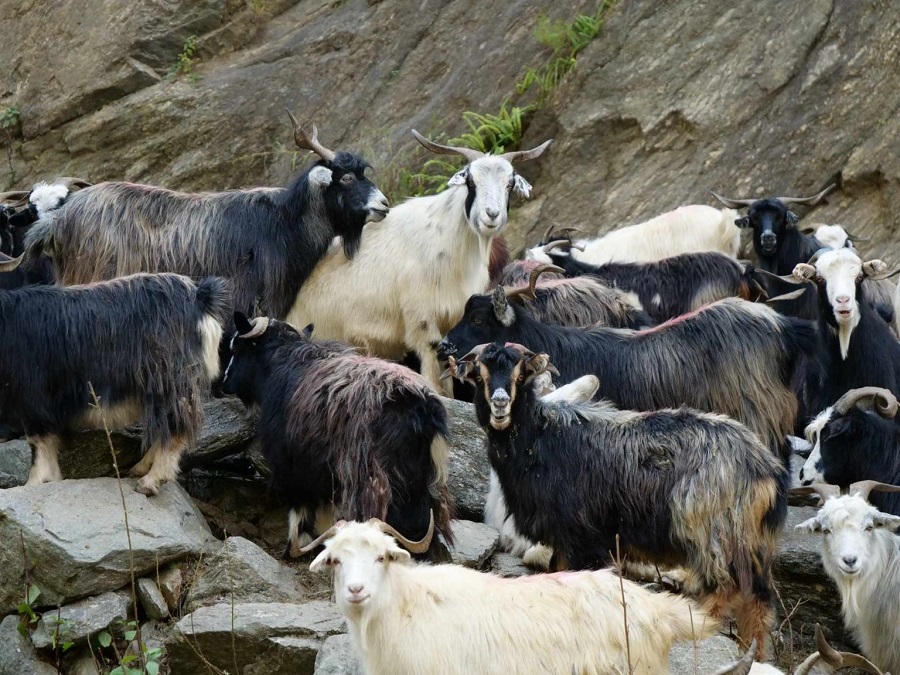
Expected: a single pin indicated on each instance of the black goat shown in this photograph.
(732, 357)
(366, 435)
(145, 343)
(679, 487)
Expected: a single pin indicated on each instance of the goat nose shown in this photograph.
(500, 398)
(387, 204)
(850, 560)
(356, 589)
(492, 213)
(843, 299)
(767, 237)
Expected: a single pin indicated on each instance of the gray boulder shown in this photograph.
(474, 543)
(241, 569)
(707, 657)
(169, 582)
(273, 638)
(152, 601)
(337, 657)
(82, 619)
(508, 565)
(15, 463)
(75, 542)
(17, 655)
(469, 467)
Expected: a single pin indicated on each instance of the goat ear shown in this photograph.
(308, 331)
(502, 309)
(522, 186)
(320, 176)
(320, 561)
(459, 178)
(242, 323)
(887, 521)
(397, 554)
(540, 363)
(810, 526)
(792, 218)
(804, 271)
(840, 427)
(743, 222)
(875, 269)
(461, 370)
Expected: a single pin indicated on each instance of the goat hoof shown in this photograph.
(671, 584)
(147, 487)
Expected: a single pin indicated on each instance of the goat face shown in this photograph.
(489, 180)
(359, 555)
(770, 219)
(486, 318)
(849, 526)
(500, 374)
(351, 198)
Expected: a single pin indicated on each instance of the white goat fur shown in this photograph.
(408, 619)
(687, 229)
(409, 283)
(47, 197)
(869, 588)
(812, 471)
(831, 236)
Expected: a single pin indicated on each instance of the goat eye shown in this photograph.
(380, 559)
(477, 322)
(826, 531)
(869, 528)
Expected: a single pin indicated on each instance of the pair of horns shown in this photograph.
(311, 141)
(825, 653)
(420, 546)
(881, 400)
(863, 488)
(471, 155)
(258, 327)
(806, 201)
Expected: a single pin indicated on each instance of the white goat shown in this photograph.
(408, 619)
(687, 229)
(410, 281)
(861, 553)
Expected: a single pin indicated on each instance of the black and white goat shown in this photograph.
(732, 357)
(146, 343)
(265, 240)
(669, 287)
(678, 487)
(409, 284)
(857, 439)
(365, 435)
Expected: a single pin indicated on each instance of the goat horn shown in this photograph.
(555, 244)
(864, 487)
(11, 264)
(824, 490)
(328, 534)
(526, 155)
(260, 324)
(883, 400)
(311, 142)
(420, 546)
(815, 256)
(529, 291)
(470, 154)
(742, 666)
(808, 201)
(72, 182)
(834, 658)
(733, 203)
(16, 197)
(474, 353)
(793, 295)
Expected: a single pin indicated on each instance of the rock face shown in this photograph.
(336, 657)
(470, 470)
(17, 655)
(82, 619)
(72, 555)
(474, 543)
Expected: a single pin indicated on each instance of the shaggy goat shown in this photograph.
(159, 334)
(731, 357)
(861, 553)
(679, 487)
(670, 287)
(411, 281)
(338, 428)
(408, 619)
(687, 229)
(857, 439)
(266, 240)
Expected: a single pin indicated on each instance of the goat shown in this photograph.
(265, 240)
(338, 428)
(408, 619)
(824, 661)
(777, 242)
(857, 439)
(687, 229)
(670, 287)
(159, 335)
(731, 357)
(411, 281)
(34, 204)
(679, 487)
(861, 554)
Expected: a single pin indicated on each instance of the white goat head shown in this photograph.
(359, 554)
(838, 274)
(813, 471)
(489, 179)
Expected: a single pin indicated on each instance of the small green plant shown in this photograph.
(58, 625)
(26, 609)
(185, 63)
(130, 664)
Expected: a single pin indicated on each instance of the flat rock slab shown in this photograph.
(249, 636)
(17, 655)
(240, 571)
(508, 565)
(82, 619)
(709, 656)
(75, 541)
(474, 543)
(337, 657)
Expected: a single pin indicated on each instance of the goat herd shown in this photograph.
(640, 390)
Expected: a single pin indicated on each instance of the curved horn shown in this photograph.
(11, 264)
(73, 183)
(824, 490)
(555, 244)
(834, 658)
(420, 546)
(808, 201)
(743, 666)
(733, 203)
(525, 155)
(16, 197)
(328, 534)
(305, 142)
(864, 487)
(529, 292)
(470, 154)
(260, 324)
(883, 400)
(818, 254)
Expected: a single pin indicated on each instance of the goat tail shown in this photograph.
(215, 299)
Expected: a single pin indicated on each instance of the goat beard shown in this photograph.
(845, 330)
